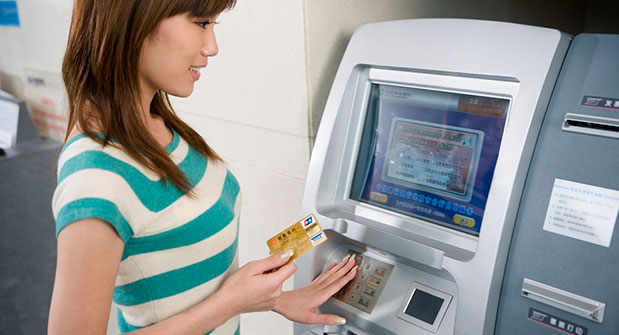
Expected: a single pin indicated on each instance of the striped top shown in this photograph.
(178, 250)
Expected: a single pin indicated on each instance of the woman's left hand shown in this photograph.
(300, 305)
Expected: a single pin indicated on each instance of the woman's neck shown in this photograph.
(154, 123)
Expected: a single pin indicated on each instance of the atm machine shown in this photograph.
(562, 274)
(418, 170)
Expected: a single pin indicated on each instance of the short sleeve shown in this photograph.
(92, 208)
(87, 191)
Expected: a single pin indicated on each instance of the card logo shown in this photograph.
(317, 238)
(308, 221)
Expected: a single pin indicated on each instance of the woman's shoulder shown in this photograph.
(82, 148)
(80, 141)
(90, 185)
(86, 155)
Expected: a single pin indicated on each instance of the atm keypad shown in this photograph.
(363, 291)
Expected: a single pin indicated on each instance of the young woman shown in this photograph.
(146, 212)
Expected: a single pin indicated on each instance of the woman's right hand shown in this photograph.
(258, 285)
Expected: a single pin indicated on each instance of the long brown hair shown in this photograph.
(100, 72)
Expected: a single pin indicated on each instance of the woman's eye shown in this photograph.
(203, 24)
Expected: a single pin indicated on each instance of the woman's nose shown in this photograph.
(210, 49)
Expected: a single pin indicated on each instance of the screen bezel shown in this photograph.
(444, 238)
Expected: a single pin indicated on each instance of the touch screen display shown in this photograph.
(429, 154)
(434, 156)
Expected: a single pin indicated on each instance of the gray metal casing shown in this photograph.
(591, 68)
(506, 60)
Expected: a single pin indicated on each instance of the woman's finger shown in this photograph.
(336, 285)
(322, 274)
(331, 270)
(270, 263)
(344, 269)
(326, 319)
(284, 272)
(339, 273)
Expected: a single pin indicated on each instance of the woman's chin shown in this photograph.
(181, 93)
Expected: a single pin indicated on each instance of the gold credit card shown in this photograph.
(300, 237)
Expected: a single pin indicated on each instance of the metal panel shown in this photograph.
(579, 267)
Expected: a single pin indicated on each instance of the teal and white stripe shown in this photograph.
(178, 250)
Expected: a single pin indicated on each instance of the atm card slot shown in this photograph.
(592, 125)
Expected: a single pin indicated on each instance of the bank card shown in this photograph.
(301, 237)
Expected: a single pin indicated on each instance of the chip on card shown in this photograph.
(300, 237)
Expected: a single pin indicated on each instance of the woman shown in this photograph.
(146, 212)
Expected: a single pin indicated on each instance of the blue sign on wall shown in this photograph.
(8, 13)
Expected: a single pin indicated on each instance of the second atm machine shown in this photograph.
(419, 166)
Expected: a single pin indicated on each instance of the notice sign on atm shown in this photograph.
(582, 211)
(434, 156)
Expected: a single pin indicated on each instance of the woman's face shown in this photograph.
(174, 54)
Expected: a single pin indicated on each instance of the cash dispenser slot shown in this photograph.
(563, 300)
(592, 125)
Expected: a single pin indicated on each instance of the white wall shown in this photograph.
(38, 43)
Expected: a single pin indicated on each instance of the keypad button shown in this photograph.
(380, 271)
(369, 291)
(375, 281)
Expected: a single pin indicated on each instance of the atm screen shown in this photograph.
(429, 154)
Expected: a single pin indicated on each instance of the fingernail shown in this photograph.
(345, 257)
(340, 321)
(355, 268)
(287, 253)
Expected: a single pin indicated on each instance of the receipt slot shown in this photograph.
(418, 169)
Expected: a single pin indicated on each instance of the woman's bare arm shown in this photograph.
(89, 255)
